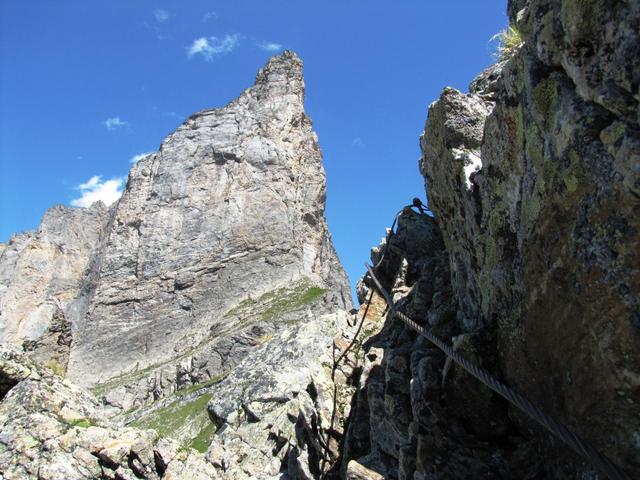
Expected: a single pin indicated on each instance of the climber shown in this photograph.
(417, 203)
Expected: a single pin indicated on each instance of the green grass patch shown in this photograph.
(199, 386)
(185, 421)
(311, 294)
(285, 300)
(82, 423)
(267, 307)
(203, 439)
(274, 303)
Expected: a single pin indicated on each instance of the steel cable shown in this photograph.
(580, 446)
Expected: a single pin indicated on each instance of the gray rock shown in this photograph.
(42, 273)
(282, 388)
(230, 208)
(54, 430)
(164, 290)
(533, 179)
(356, 471)
(214, 272)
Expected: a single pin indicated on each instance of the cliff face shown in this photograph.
(533, 180)
(208, 300)
(155, 289)
(208, 304)
(43, 275)
(544, 238)
(230, 208)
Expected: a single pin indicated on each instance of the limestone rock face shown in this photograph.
(158, 292)
(534, 179)
(206, 310)
(44, 273)
(230, 207)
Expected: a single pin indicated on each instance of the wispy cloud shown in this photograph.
(270, 46)
(113, 123)
(138, 157)
(209, 16)
(357, 142)
(213, 47)
(161, 15)
(96, 190)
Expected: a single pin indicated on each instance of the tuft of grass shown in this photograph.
(284, 300)
(202, 441)
(82, 423)
(509, 41)
(56, 367)
(170, 421)
(185, 419)
(267, 307)
(199, 386)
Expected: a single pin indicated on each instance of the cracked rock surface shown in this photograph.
(544, 237)
(229, 208)
(158, 292)
(533, 181)
(202, 313)
(54, 430)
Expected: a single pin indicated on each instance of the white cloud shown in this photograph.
(138, 157)
(161, 15)
(209, 16)
(357, 142)
(95, 189)
(212, 47)
(270, 46)
(114, 123)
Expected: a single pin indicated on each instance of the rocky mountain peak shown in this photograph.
(209, 292)
(229, 209)
(282, 75)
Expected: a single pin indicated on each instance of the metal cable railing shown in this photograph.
(580, 446)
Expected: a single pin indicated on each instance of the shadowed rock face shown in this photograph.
(534, 181)
(544, 238)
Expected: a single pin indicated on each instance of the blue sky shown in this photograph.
(85, 86)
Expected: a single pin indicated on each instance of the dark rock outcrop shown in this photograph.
(544, 237)
(533, 179)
